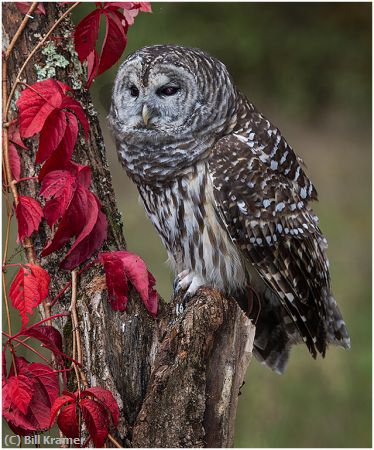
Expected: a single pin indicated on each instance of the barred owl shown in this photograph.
(227, 195)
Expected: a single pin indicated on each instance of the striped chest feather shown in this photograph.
(185, 216)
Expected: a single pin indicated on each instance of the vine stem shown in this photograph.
(113, 441)
(76, 334)
(6, 243)
(27, 179)
(20, 29)
(55, 316)
(9, 322)
(52, 302)
(32, 53)
(22, 342)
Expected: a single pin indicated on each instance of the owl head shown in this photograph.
(168, 93)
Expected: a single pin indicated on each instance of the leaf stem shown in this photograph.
(27, 179)
(52, 302)
(12, 352)
(21, 342)
(113, 441)
(64, 314)
(6, 243)
(6, 301)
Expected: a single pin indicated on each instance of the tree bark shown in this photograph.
(177, 378)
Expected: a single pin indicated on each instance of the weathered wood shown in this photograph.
(176, 379)
(199, 366)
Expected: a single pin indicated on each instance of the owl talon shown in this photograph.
(186, 298)
(182, 281)
(179, 309)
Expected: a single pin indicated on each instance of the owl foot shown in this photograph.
(186, 281)
(181, 281)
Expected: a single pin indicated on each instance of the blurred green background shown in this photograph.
(307, 67)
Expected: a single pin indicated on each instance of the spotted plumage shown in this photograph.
(227, 195)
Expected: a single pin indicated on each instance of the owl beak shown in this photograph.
(146, 114)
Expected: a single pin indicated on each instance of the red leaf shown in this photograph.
(42, 278)
(3, 368)
(28, 289)
(114, 43)
(65, 399)
(129, 14)
(106, 398)
(91, 216)
(51, 135)
(83, 174)
(81, 210)
(25, 6)
(60, 159)
(68, 421)
(44, 391)
(15, 137)
(42, 109)
(74, 106)
(123, 266)
(86, 34)
(92, 66)
(116, 281)
(14, 161)
(29, 213)
(58, 189)
(20, 389)
(72, 223)
(144, 6)
(130, 9)
(141, 279)
(96, 419)
(48, 379)
(49, 336)
(82, 220)
(88, 246)
(36, 103)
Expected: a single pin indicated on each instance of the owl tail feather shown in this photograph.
(275, 332)
(337, 332)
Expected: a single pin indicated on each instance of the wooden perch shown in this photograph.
(176, 379)
(199, 364)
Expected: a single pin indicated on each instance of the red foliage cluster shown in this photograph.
(69, 199)
(31, 399)
(96, 405)
(116, 26)
(47, 109)
(123, 267)
(28, 396)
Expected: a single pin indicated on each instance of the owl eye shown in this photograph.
(134, 91)
(167, 90)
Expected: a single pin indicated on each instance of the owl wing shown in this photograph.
(263, 200)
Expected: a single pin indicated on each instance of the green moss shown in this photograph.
(75, 79)
(53, 60)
